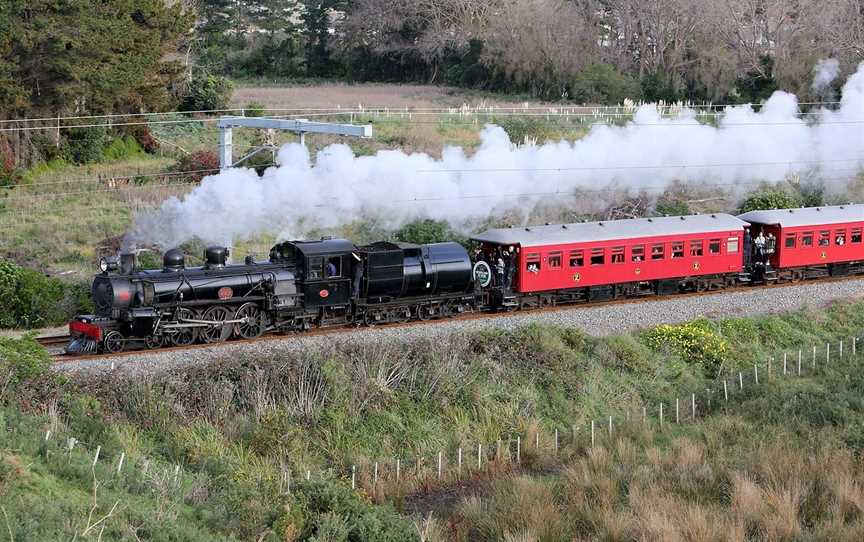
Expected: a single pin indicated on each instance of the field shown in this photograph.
(223, 451)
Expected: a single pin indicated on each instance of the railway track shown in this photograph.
(53, 342)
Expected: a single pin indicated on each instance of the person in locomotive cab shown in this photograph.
(500, 270)
(357, 280)
(508, 269)
(331, 269)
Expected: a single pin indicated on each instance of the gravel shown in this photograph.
(599, 320)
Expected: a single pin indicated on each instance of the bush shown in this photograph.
(122, 147)
(207, 93)
(200, 163)
(84, 145)
(769, 199)
(253, 109)
(521, 129)
(695, 342)
(427, 231)
(602, 84)
(30, 299)
(20, 360)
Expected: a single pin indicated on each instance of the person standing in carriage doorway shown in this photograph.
(499, 269)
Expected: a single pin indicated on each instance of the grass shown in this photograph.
(237, 426)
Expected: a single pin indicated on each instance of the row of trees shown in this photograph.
(596, 50)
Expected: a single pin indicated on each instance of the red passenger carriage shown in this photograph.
(616, 258)
(812, 242)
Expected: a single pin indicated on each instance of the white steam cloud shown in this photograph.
(650, 152)
(824, 73)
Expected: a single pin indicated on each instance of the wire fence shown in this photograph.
(400, 475)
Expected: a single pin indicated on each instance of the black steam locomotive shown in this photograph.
(303, 284)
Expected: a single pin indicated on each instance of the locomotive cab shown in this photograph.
(323, 267)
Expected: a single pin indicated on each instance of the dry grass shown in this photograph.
(681, 491)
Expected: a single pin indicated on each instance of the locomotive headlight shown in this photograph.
(108, 264)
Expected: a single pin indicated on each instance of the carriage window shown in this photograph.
(807, 239)
(577, 258)
(314, 268)
(554, 260)
(824, 238)
(618, 255)
(696, 248)
(638, 253)
(732, 245)
(334, 267)
(598, 257)
(677, 249)
(790, 240)
(839, 237)
(855, 236)
(532, 263)
(658, 252)
(714, 246)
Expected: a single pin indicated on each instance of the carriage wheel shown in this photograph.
(184, 336)
(113, 342)
(217, 333)
(252, 325)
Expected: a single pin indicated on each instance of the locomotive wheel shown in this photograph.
(253, 322)
(217, 334)
(153, 342)
(184, 336)
(113, 342)
(424, 312)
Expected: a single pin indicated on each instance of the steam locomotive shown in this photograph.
(331, 282)
(302, 284)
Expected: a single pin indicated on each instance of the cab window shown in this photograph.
(618, 255)
(598, 256)
(314, 267)
(577, 258)
(638, 253)
(554, 260)
(333, 267)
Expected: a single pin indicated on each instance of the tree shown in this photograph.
(769, 198)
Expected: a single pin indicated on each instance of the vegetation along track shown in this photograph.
(53, 342)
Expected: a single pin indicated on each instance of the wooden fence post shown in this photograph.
(661, 416)
(518, 449)
(353, 476)
(784, 363)
(479, 451)
(693, 404)
(592, 433)
(556, 441)
(120, 463)
(677, 419)
(459, 471)
(799, 362)
(814, 358)
(96, 456)
(740, 380)
(375, 476)
(610, 426)
(756, 372)
(725, 391)
(439, 465)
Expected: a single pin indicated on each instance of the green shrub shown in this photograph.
(427, 231)
(20, 360)
(253, 109)
(769, 198)
(84, 145)
(120, 148)
(30, 299)
(206, 93)
(695, 342)
(602, 84)
(521, 129)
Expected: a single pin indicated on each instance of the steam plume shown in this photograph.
(824, 73)
(649, 152)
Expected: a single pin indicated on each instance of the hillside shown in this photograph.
(222, 451)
